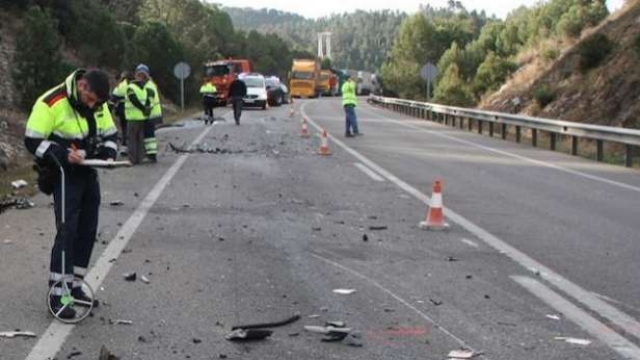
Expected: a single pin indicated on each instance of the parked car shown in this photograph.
(277, 92)
(256, 90)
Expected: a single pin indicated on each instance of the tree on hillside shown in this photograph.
(38, 64)
(452, 90)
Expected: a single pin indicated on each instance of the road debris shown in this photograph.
(284, 322)
(451, 258)
(142, 339)
(553, 317)
(313, 316)
(344, 291)
(378, 228)
(365, 238)
(7, 241)
(575, 341)
(13, 334)
(120, 322)
(19, 184)
(248, 335)
(462, 354)
(106, 355)
(353, 340)
(74, 354)
(145, 279)
(130, 276)
(196, 341)
(23, 204)
(116, 203)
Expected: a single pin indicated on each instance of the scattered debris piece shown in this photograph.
(435, 302)
(378, 228)
(7, 241)
(575, 341)
(294, 334)
(344, 291)
(24, 203)
(451, 258)
(121, 322)
(142, 339)
(106, 355)
(338, 324)
(13, 334)
(144, 279)
(286, 321)
(372, 217)
(353, 340)
(462, 354)
(324, 309)
(389, 310)
(196, 341)
(487, 296)
(365, 238)
(553, 317)
(74, 354)
(316, 228)
(313, 316)
(469, 276)
(116, 203)
(127, 250)
(326, 329)
(19, 184)
(248, 335)
(130, 276)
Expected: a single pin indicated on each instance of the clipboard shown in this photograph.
(105, 164)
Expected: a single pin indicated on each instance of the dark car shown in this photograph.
(277, 92)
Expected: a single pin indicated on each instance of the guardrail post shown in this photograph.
(479, 126)
(552, 141)
(453, 121)
(446, 119)
(470, 124)
(628, 155)
(491, 129)
(518, 134)
(504, 131)
(600, 150)
(462, 122)
(574, 145)
(534, 137)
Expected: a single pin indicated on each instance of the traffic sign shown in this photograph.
(182, 70)
(429, 72)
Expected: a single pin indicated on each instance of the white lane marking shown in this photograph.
(369, 172)
(52, 339)
(398, 298)
(515, 156)
(624, 321)
(587, 322)
(470, 243)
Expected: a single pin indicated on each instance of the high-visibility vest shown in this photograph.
(208, 89)
(349, 93)
(144, 97)
(53, 119)
(156, 106)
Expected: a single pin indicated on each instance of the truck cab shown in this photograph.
(222, 73)
(304, 78)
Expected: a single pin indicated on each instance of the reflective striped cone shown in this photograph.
(435, 214)
(324, 144)
(304, 132)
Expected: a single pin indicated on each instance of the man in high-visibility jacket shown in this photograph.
(155, 117)
(117, 98)
(137, 108)
(349, 102)
(208, 92)
(69, 123)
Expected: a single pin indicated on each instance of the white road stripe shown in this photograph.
(52, 339)
(580, 317)
(369, 172)
(515, 156)
(399, 299)
(624, 321)
(470, 243)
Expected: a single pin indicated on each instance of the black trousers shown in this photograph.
(77, 235)
(237, 108)
(123, 121)
(208, 103)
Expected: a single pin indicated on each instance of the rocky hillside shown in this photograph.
(596, 80)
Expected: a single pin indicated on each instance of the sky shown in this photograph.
(315, 8)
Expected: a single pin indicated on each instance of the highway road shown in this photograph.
(541, 249)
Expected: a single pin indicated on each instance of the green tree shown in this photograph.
(491, 74)
(452, 90)
(38, 64)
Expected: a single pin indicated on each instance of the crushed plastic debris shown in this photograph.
(106, 355)
(116, 203)
(121, 322)
(130, 276)
(344, 291)
(553, 317)
(248, 335)
(286, 321)
(575, 341)
(462, 354)
(18, 184)
(7, 241)
(13, 334)
(378, 228)
(452, 258)
(144, 279)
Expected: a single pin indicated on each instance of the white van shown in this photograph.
(256, 90)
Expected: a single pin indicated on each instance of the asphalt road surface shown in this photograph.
(542, 247)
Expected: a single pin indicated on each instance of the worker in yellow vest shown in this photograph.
(137, 109)
(349, 102)
(209, 93)
(117, 98)
(155, 117)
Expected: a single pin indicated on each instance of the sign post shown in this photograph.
(429, 72)
(182, 71)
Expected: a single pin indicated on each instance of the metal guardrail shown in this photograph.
(456, 115)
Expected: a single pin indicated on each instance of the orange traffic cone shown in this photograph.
(304, 132)
(435, 214)
(324, 144)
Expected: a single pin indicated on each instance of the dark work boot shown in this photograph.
(79, 295)
(56, 304)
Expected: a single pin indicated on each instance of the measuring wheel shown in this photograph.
(82, 307)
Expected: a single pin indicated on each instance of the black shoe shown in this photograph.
(79, 295)
(56, 304)
(153, 158)
(349, 135)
